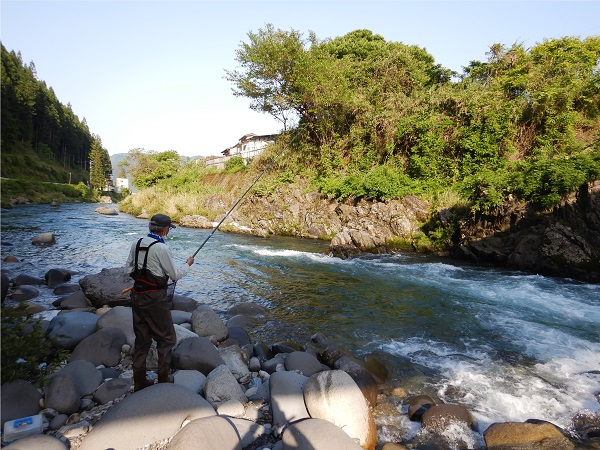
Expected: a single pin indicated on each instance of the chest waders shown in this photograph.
(144, 281)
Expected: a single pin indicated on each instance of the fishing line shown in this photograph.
(247, 190)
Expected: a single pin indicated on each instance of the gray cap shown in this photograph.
(160, 220)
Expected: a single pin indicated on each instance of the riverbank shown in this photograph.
(236, 393)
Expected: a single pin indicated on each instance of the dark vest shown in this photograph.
(145, 281)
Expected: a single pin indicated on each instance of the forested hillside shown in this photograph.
(42, 139)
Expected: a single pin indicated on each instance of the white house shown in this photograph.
(122, 183)
(249, 146)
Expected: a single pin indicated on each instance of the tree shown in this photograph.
(149, 167)
(270, 66)
(100, 165)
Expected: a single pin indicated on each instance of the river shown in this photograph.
(508, 345)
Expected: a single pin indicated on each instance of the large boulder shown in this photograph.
(119, 317)
(317, 434)
(206, 323)
(197, 353)
(20, 398)
(146, 417)
(23, 293)
(236, 359)
(287, 397)
(221, 386)
(334, 396)
(85, 375)
(101, 348)
(44, 239)
(55, 277)
(38, 441)
(214, 432)
(304, 362)
(62, 394)
(107, 211)
(439, 417)
(539, 435)
(68, 330)
(106, 287)
(354, 242)
(195, 221)
(26, 279)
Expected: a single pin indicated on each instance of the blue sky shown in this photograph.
(149, 74)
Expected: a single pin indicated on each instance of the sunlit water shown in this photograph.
(510, 346)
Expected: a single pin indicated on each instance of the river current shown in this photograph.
(510, 346)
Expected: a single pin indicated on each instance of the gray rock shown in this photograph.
(74, 301)
(270, 366)
(23, 293)
(119, 317)
(145, 417)
(19, 398)
(235, 359)
(248, 431)
(107, 211)
(54, 277)
(197, 353)
(68, 330)
(212, 432)
(106, 287)
(191, 379)
(85, 375)
(180, 317)
(247, 309)
(195, 221)
(24, 279)
(112, 389)
(238, 334)
(334, 396)
(246, 322)
(221, 386)
(361, 376)
(44, 239)
(58, 421)
(63, 289)
(304, 362)
(38, 442)
(101, 348)
(183, 303)
(206, 323)
(287, 397)
(62, 393)
(317, 434)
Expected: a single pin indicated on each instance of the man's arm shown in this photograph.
(166, 261)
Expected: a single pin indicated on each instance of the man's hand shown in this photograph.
(190, 261)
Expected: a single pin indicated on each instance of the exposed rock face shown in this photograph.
(561, 242)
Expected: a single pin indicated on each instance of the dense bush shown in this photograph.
(26, 352)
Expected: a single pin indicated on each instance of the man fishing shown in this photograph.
(150, 264)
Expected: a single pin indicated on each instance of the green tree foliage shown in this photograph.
(100, 165)
(33, 117)
(234, 164)
(149, 167)
(381, 119)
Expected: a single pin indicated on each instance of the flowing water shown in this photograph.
(510, 346)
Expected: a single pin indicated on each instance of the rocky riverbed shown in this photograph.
(230, 392)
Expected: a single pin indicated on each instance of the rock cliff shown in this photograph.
(564, 241)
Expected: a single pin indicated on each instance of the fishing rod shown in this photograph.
(247, 190)
(171, 286)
